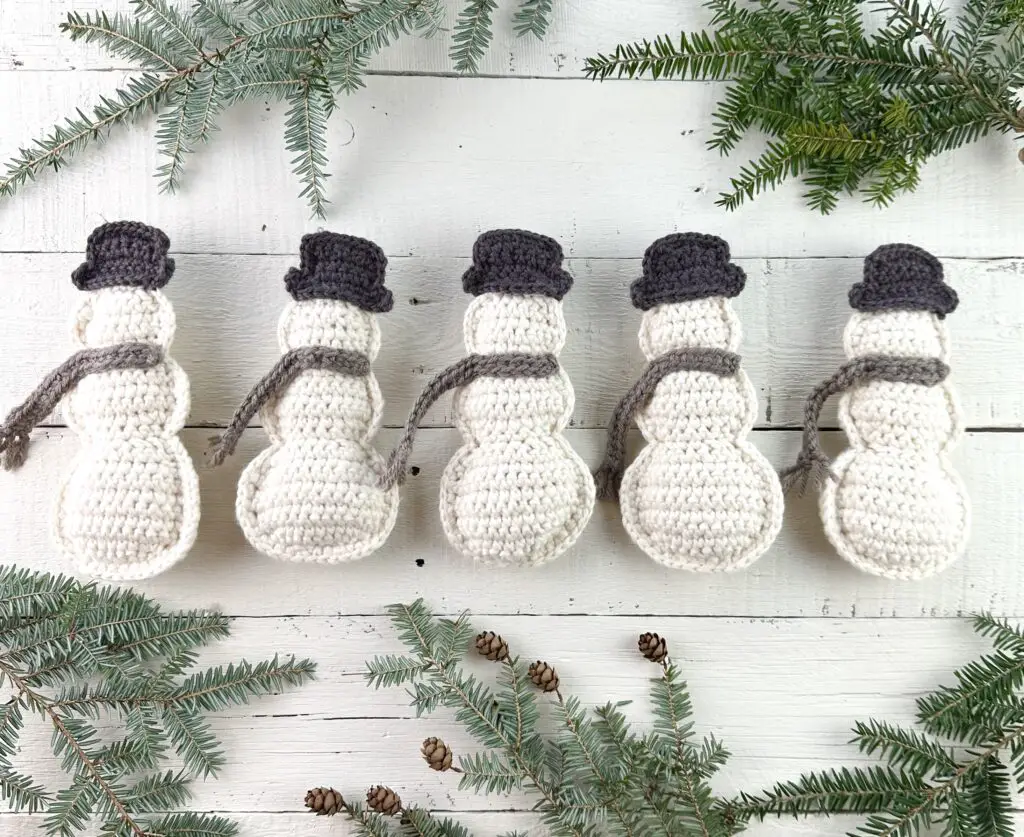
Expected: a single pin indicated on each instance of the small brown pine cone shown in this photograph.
(325, 802)
(436, 754)
(653, 647)
(492, 646)
(544, 676)
(383, 800)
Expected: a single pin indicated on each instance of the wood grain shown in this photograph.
(479, 823)
(604, 573)
(30, 38)
(771, 736)
(793, 313)
(422, 165)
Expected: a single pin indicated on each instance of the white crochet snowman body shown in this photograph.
(896, 507)
(129, 508)
(312, 496)
(699, 496)
(516, 493)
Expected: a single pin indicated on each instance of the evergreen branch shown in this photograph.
(199, 61)
(533, 18)
(840, 105)
(141, 95)
(123, 37)
(472, 35)
(112, 651)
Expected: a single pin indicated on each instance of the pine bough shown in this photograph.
(848, 106)
(198, 62)
(591, 774)
(84, 659)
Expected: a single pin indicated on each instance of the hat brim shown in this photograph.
(647, 294)
(938, 299)
(522, 281)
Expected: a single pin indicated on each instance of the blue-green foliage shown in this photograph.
(848, 109)
(198, 62)
(73, 655)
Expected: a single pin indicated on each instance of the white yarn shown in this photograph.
(312, 496)
(129, 508)
(516, 493)
(699, 497)
(897, 508)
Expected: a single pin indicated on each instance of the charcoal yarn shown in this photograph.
(343, 268)
(892, 504)
(465, 371)
(14, 433)
(125, 254)
(128, 508)
(715, 361)
(287, 369)
(313, 496)
(902, 277)
(515, 493)
(517, 262)
(699, 496)
(812, 465)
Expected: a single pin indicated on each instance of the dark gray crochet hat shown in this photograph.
(686, 266)
(903, 277)
(341, 267)
(516, 262)
(126, 254)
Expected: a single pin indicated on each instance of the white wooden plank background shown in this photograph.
(781, 658)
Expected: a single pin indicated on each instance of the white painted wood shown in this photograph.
(351, 737)
(228, 307)
(422, 165)
(480, 824)
(30, 38)
(604, 573)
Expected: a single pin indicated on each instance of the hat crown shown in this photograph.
(686, 266)
(903, 277)
(125, 254)
(341, 267)
(517, 262)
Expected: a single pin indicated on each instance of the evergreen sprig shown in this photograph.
(590, 772)
(955, 771)
(76, 654)
(196, 63)
(848, 108)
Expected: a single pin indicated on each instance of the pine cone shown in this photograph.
(653, 647)
(544, 676)
(383, 800)
(326, 802)
(492, 646)
(436, 754)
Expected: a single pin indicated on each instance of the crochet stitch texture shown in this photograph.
(314, 494)
(700, 496)
(515, 493)
(129, 507)
(895, 506)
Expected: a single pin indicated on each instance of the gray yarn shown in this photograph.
(608, 477)
(467, 370)
(812, 465)
(14, 433)
(288, 368)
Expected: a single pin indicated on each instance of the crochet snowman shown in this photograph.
(892, 504)
(516, 493)
(313, 495)
(699, 496)
(129, 508)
